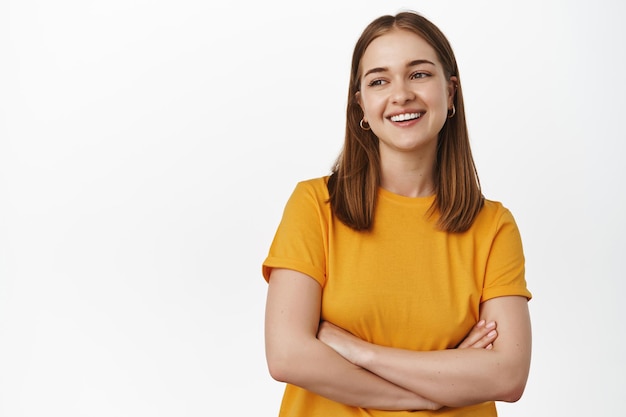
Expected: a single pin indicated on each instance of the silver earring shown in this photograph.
(450, 116)
(364, 125)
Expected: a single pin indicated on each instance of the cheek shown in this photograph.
(440, 97)
(439, 106)
(449, 95)
(371, 106)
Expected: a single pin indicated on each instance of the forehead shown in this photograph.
(397, 47)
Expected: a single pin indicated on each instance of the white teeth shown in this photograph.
(404, 117)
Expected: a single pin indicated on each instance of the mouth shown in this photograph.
(404, 117)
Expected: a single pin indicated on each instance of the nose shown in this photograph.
(402, 93)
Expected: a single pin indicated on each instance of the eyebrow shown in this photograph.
(409, 65)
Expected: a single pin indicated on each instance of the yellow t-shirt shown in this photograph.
(404, 284)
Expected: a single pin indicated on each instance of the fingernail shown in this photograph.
(480, 323)
(491, 325)
(491, 333)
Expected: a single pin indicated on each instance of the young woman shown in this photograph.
(387, 278)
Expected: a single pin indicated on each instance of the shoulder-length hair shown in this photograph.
(355, 179)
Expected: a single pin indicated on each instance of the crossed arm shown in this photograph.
(453, 377)
(345, 369)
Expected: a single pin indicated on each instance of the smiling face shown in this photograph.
(404, 93)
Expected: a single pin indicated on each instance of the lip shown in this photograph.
(409, 121)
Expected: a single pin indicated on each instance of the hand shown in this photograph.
(340, 340)
(352, 348)
(481, 336)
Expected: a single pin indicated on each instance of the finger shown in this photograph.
(486, 340)
(476, 337)
(475, 334)
(472, 336)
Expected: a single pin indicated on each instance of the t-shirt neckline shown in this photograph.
(418, 201)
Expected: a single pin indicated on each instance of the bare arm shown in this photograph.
(455, 377)
(296, 356)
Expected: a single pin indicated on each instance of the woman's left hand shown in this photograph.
(481, 336)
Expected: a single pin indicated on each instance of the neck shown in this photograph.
(410, 177)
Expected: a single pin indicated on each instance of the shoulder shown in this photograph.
(318, 184)
(309, 196)
(494, 215)
(494, 208)
(315, 188)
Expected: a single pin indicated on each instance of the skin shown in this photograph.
(401, 75)
(455, 377)
(297, 356)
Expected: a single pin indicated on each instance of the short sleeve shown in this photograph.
(301, 238)
(505, 271)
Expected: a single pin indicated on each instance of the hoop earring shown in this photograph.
(450, 116)
(362, 123)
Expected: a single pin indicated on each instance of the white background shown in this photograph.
(147, 149)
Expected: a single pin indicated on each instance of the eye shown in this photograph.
(419, 74)
(376, 83)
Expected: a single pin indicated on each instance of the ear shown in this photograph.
(453, 82)
(357, 98)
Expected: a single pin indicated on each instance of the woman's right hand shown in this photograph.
(481, 336)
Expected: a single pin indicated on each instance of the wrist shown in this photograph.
(364, 355)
